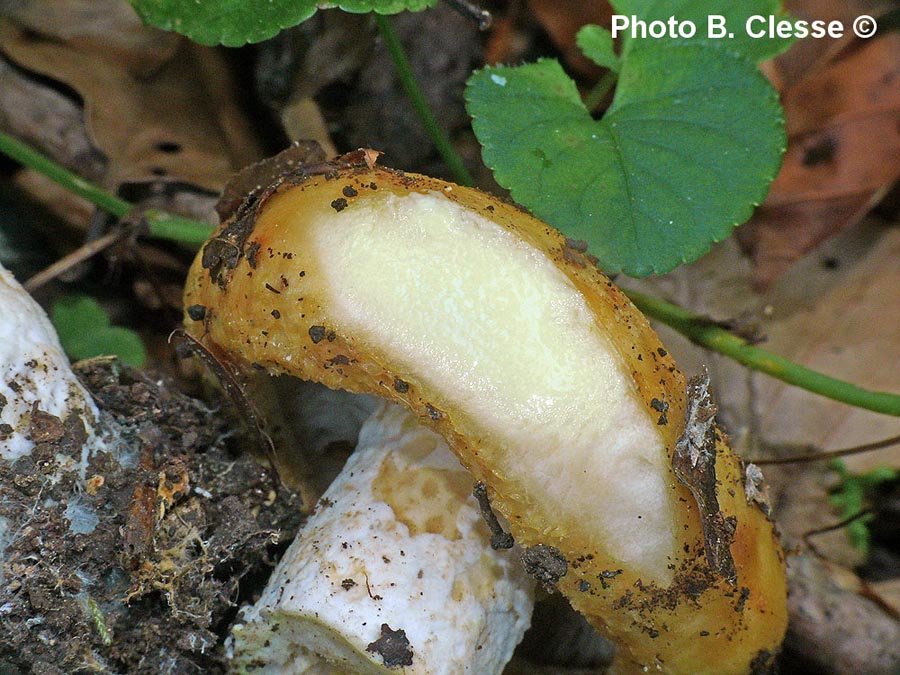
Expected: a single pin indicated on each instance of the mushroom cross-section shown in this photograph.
(546, 382)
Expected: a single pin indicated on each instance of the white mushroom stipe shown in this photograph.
(393, 573)
(35, 375)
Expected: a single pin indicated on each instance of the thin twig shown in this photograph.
(500, 539)
(77, 256)
(831, 528)
(831, 454)
(417, 98)
(232, 387)
(711, 335)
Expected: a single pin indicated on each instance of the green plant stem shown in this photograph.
(708, 334)
(596, 95)
(164, 225)
(46, 166)
(417, 98)
(160, 224)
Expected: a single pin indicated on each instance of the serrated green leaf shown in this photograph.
(597, 44)
(689, 146)
(234, 23)
(735, 12)
(84, 331)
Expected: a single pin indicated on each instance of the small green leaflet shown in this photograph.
(597, 44)
(234, 23)
(84, 331)
(688, 147)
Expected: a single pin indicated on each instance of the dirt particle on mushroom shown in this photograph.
(742, 599)
(196, 312)
(339, 204)
(316, 334)
(762, 663)
(251, 253)
(755, 489)
(45, 428)
(545, 563)
(662, 408)
(393, 647)
(606, 575)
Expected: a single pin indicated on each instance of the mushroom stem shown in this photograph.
(36, 380)
(393, 570)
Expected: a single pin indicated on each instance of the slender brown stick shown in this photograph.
(831, 454)
(831, 528)
(79, 255)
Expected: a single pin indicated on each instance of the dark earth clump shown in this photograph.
(138, 565)
(393, 647)
(545, 563)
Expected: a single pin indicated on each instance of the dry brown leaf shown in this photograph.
(302, 119)
(851, 331)
(155, 104)
(800, 501)
(60, 203)
(47, 120)
(806, 56)
(505, 42)
(842, 102)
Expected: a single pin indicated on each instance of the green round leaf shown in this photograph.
(692, 140)
(234, 23)
(84, 331)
